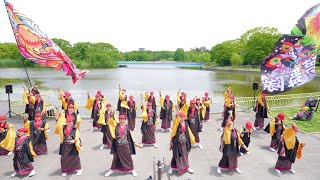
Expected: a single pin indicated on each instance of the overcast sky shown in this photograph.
(155, 24)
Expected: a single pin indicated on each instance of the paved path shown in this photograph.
(95, 162)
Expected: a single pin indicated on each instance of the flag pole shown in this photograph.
(25, 68)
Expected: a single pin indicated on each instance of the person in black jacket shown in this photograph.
(122, 148)
(23, 155)
(246, 136)
(193, 120)
(180, 144)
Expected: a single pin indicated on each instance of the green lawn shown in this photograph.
(306, 126)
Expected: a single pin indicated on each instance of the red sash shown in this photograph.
(68, 130)
(37, 123)
(121, 129)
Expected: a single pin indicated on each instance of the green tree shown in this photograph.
(236, 60)
(259, 43)
(221, 53)
(180, 55)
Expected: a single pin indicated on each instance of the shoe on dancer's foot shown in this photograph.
(190, 171)
(162, 130)
(241, 154)
(141, 145)
(64, 174)
(134, 173)
(14, 174)
(254, 128)
(79, 172)
(170, 171)
(155, 145)
(219, 170)
(238, 170)
(248, 153)
(221, 129)
(278, 171)
(292, 171)
(109, 173)
(169, 129)
(200, 146)
(9, 154)
(33, 172)
(102, 146)
(272, 149)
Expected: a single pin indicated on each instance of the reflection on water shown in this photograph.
(136, 81)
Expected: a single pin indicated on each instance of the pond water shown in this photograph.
(139, 80)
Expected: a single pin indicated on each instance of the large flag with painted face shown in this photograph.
(34, 45)
(292, 62)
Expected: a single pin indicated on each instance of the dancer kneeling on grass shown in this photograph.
(123, 147)
(180, 144)
(289, 149)
(7, 137)
(230, 143)
(70, 147)
(23, 154)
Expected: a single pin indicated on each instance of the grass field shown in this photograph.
(306, 126)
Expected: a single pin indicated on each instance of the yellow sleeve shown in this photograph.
(184, 109)
(101, 119)
(240, 142)
(144, 114)
(146, 96)
(27, 125)
(203, 110)
(226, 135)
(60, 95)
(64, 103)
(77, 141)
(120, 96)
(260, 100)
(227, 101)
(78, 122)
(207, 103)
(75, 106)
(112, 124)
(44, 110)
(60, 123)
(8, 142)
(31, 150)
(124, 104)
(25, 97)
(46, 127)
(178, 98)
(272, 127)
(161, 102)
(175, 126)
(89, 103)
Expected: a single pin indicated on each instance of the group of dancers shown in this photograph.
(187, 117)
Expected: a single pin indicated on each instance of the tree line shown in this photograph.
(251, 48)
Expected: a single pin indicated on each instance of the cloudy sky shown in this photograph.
(155, 24)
